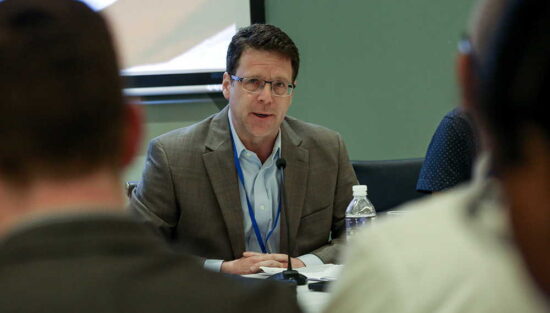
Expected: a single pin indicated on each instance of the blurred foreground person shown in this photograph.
(484, 247)
(65, 243)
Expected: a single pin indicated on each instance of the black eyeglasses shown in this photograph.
(279, 88)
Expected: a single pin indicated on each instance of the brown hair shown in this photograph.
(61, 107)
(262, 37)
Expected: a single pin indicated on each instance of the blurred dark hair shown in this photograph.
(262, 37)
(61, 107)
(516, 83)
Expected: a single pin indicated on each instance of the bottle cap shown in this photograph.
(359, 190)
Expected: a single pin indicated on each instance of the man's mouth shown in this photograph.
(260, 115)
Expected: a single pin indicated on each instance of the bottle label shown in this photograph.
(353, 224)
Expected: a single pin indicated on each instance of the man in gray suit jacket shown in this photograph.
(213, 188)
(66, 244)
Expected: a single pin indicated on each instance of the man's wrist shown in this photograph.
(227, 267)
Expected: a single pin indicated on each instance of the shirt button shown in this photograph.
(262, 207)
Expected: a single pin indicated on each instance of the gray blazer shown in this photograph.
(113, 264)
(190, 192)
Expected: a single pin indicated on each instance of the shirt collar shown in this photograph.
(275, 153)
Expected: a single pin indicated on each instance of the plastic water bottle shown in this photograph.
(360, 211)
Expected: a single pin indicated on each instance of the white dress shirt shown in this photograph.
(261, 184)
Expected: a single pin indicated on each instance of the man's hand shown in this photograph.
(251, 261)
(282, 258)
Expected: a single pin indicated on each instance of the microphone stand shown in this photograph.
(289, 275)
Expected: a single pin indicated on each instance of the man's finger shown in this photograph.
(268, 263)
(264, 257)
(257, 258)
(247, 254)
(279, 257)
(297, 263)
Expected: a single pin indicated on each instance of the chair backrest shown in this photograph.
(389, 182)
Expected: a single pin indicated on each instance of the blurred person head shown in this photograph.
(505, 79)
(62, 113)
(512, 110)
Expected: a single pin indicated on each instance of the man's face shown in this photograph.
(258, 116)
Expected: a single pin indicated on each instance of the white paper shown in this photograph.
(326, 272)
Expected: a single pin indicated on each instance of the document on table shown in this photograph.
(322, 272)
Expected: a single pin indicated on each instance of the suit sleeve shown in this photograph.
(153, 200)
(346, 178)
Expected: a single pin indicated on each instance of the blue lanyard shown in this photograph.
(263, 244)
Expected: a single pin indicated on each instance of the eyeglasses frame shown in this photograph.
(290, 87)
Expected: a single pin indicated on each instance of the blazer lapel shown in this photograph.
(297, 160)
(219, 164)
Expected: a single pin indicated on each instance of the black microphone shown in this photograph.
(290, 275)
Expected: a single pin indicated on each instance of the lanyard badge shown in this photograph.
(261, 242)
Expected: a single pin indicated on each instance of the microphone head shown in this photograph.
(281, 163)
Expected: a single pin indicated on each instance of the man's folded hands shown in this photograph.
(251, 262)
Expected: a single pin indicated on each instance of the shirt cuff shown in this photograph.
(214, 265)
(309, 259)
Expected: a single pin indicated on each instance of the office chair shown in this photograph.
(389, 182)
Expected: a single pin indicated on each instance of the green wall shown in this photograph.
(380, 72)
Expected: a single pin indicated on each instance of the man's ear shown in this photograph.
(226, 85)
(294, 91)
(467, 81)
(132, 132)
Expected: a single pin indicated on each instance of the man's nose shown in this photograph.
(265, 93)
